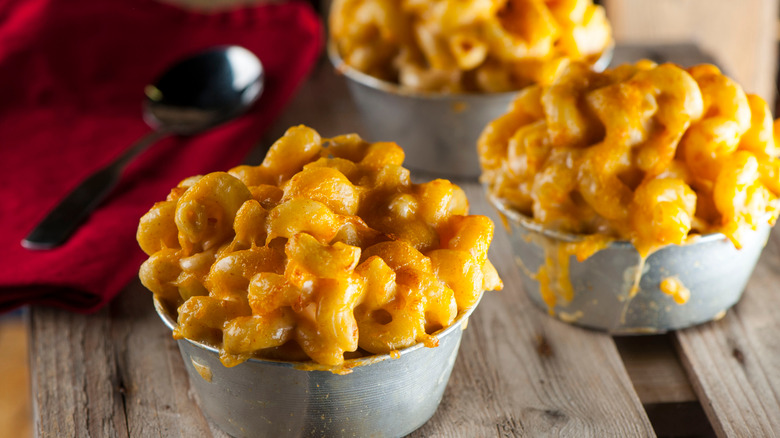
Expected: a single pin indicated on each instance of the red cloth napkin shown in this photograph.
(72, 74)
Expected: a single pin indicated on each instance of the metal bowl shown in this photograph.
(382, 396)
(438, 131)
(710, 266)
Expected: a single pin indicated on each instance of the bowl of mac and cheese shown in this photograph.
(640, 198)
(319, 293)
(432, 73)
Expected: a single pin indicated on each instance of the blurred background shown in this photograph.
(740, 37)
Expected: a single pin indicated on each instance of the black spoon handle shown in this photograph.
(60, 223)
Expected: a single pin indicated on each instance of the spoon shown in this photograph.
(197, 93)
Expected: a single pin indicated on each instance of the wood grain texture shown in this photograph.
(157, 395)
(522, 373)
(741, 35)
(117, 373)
(734, 363)
(74, 382)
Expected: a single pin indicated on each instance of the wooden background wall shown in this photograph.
(740, 34)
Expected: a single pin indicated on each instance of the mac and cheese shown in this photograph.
(647, 153)
(467, 45)
(324, 251)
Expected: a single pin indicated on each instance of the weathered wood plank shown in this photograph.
(158, 400)
(520, 372)
(734, 363)
(74, 382)
(117, 373)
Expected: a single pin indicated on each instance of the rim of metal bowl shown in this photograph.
(527, 222)
(389, 87)
(460, 319)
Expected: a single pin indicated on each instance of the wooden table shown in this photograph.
(519, 372)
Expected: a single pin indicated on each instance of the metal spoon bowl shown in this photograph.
(197, 93)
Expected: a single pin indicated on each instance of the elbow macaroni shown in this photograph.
(467, 45)
(323, 249)
(647, 153)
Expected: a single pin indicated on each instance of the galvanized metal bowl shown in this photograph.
(438, 131)
(710, 266)
(383, 396)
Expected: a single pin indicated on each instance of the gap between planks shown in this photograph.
(655, 369)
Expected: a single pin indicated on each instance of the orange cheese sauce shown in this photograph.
(203, 370)
(673, 286)
(553, 275)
